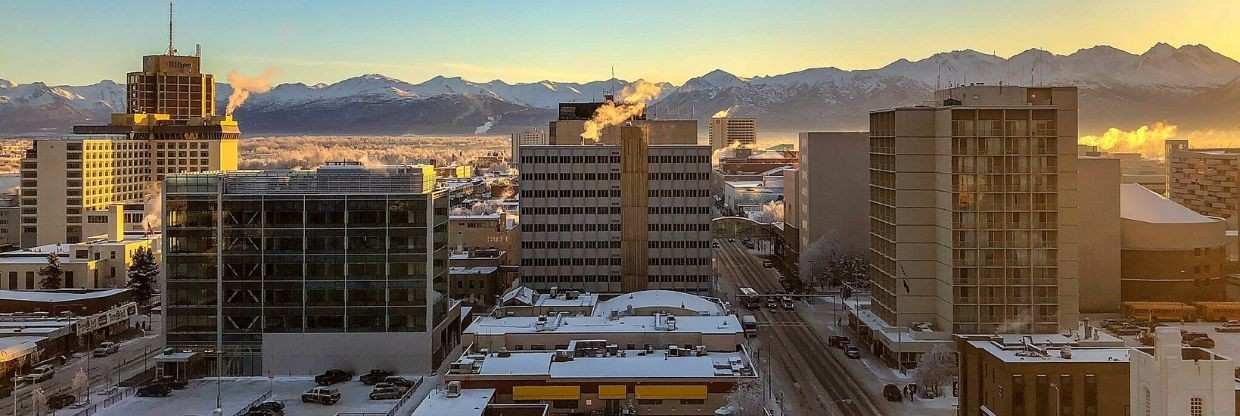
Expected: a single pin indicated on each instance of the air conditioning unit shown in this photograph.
(454, 389)
(503, 352)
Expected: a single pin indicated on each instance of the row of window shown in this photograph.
(527, 227)
(562, 210)
(678, 261)
(579, 261)
(570, 193)
(570, 244)
(528, 176)
(571, 159)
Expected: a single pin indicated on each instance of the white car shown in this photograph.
(39, 374)
(106, 348)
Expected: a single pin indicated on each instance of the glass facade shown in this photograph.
(300, 263)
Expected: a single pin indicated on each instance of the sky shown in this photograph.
(79, 42)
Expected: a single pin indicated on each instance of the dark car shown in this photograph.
(852, 351)
(154, 390)
(892, 393)
(1201, 342)
(59, 401)
(332, 376)
(838, 341)
(268, 408)
(375, 376)
(174, 383)
(399, 381)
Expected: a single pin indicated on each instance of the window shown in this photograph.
(1196, 407)
(649, 402)
(1018, 395)
(685, 402)
(1066, 400)
(1040, 395)
(1146, 400)
(1091, 395)
(564, 404)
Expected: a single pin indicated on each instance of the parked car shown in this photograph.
(59, 401)
(892, 393)
(399, 381)
(838, 341)
(105, 349)
(267, 408)
(851, 351)
(321, 395)
(173, 382)
(154, 390)
(332, 376)
(1201, 342)
(385, 391)
(40, 374)
(375, 376)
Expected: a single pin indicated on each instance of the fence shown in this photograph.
(245, 409)
(112, 399)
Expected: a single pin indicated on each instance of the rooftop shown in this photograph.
(487, 325)
(627, 364)
(1141, 204)
(658, 299)
(336, 178)
(472, 270)
(55, 296)
(1034, 353)
(471, 402)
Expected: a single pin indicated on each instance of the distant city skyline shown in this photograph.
(529, 41)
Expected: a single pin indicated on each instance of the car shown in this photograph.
(714, 244)
(39, 374)
(321, 395)
(1201, 342)
(767, 264)
(788, 305)
(399, 381)
(375, 376)
(154, 390)
(385, 391)
(838, 341)
(105, 349)
(267, 408)
(770, 304)
(851, 351)
(332, 376)
(59, 401)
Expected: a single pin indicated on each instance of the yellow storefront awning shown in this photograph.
(655, 392)
(610, 392)
(546, 392)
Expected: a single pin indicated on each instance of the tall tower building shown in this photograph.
(726, 131)
(298, 268)
(172, 85)
(616, 218)
(973, 212)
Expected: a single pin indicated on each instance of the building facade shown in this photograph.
(86, 265)
(1174, 380)
(1099, 192)
(732, 131)
(973, 211)
(173, 85)
(1204, 180)
(616, 218)
(832, 201)
(1169, 252)
(301, 266)
(526, 138)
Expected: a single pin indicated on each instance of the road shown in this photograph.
(133, 357)
(815, 374)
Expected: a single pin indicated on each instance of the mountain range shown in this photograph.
(1192, 86)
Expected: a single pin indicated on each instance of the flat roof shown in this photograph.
(658, 298)
(471, 402)
(1018, 354)
(473, 270)
(631, 364)
(719, 325)
(18, 346)
(561, 300)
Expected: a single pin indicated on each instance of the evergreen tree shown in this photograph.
(51, 273)
(142, 276)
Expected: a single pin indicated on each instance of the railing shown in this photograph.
(112, 399)
(396, 407)
(260, 399)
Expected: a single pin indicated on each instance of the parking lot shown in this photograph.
(199, 398)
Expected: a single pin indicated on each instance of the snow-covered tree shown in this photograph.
(142, 276)
(935, 368)
(78, 385)
(823, 262)
(52, 273)
(746, 398)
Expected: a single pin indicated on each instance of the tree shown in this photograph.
(936, 368)
(746, 398)
(52, 273)
(142, 275)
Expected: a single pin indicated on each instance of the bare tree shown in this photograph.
(936, 368)
(746, 398)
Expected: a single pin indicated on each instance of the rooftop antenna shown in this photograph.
(171, 50)
(613, 81)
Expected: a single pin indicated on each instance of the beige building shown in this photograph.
(727, 131)
(1099, 190)
(1205, 180)
(832, 202)
(974, 212)
(483, 231)
(1169, 252)
(88, 265)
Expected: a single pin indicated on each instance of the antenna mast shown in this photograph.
(171, 50)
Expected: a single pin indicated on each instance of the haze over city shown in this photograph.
(553, 208)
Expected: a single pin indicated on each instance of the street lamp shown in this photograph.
(1058, 404)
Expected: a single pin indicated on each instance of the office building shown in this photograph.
(974, 213)
(1099, 206)
(832, 202)
(300, 268)
(732, 131)
(616, 218)
(571, 122)
(1204, 180)
(1175, 380)
(1043, 375)
(526, 138)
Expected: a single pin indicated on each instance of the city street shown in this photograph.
(808, 375)
(133, 357)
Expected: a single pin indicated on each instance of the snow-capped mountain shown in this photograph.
(1117, 88)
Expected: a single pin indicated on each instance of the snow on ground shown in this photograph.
(353, 398)
(198, 399)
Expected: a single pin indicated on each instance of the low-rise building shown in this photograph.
(1168, 251)
(86, 265)
(474, 286)
(523, 301)
(539, 333)
(455, 401)
(1174, 380)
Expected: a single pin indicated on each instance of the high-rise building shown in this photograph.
(616, 218)
(1204, 180)
(169, 126)
(300, 267)
(973, 213)
(526, 138)
(571, 123)
(833, 203)
(726, 131)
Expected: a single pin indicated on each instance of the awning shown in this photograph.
(655, 392)
(612, 391)
(546, 392)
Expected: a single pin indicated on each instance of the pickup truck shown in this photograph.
(321, 395)
(332, 376)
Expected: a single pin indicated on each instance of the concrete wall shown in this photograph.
(309, 354)
(1100, 247)
(833, 186)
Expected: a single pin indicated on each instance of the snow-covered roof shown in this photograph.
(1053, 354)
(472, 270)
(471, 402)
(658, 299)
(18, 346)
(521, 294)
(722, 324)
(1138, 203)
(583, 300)
(633, 364)
(519, 364)
(475, 217)
(57, 296)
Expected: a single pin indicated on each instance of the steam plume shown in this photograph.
(724, 112)
(632, 102)
(1147, 140)
(153, 219)
(243, 86)
(483, 129)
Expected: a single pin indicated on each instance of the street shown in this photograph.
(134, 355)
(806, 375)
